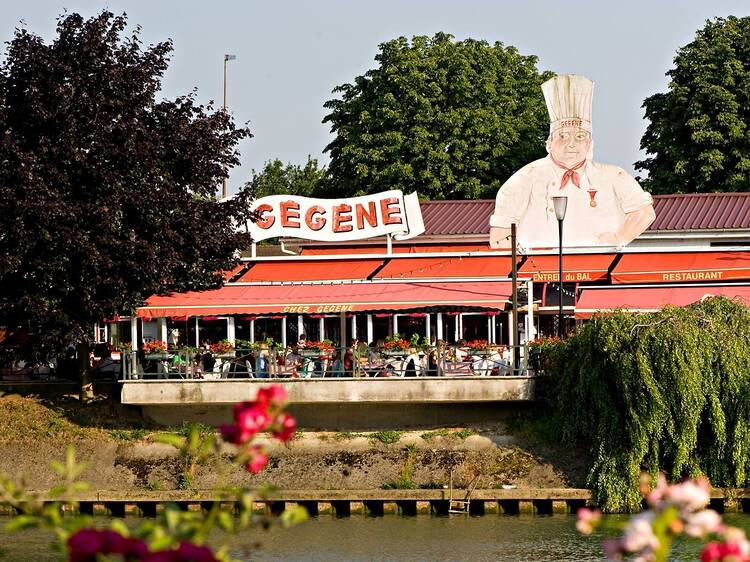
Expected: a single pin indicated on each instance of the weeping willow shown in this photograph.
(665, 391)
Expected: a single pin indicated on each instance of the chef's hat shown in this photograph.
(568, 99)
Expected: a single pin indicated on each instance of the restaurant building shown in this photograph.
(446, 284)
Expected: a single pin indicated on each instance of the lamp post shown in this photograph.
(561, 205)
(227, 58)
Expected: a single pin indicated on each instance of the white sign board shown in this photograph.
(355, 218)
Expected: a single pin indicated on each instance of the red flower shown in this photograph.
(258, 460)
(274, 395)
(85, 544)
(284, 427)
(252, 420)
(716, 552)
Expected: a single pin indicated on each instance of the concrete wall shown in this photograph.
(332, 391)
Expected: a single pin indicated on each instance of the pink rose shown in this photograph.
(284, 427)
(252, 420)
(233, 434)
(690, 495)
(258, 460)
(639, 535)
(703, 523)
(274, 396)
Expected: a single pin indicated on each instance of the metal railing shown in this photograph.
(437, 362)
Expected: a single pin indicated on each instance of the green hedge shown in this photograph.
(660, 391)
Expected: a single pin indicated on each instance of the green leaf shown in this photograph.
(294, 516)
(170, 439)
(20, 522)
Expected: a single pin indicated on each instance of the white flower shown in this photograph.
(703, 523)
(691, 495)
(639, 535)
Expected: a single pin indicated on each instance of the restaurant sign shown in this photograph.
(354, 218)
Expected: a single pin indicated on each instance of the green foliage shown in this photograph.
(387, 437)
(278, 179)
(406, 478)
(662, 391)
(449, 119)
(698, 136)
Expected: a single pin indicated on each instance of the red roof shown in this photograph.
(576, 267)
(681, 266)
(652, 298)
(328, 298)
(694, 211)
(701, 211)
(310, 270)
(484, 266)
(457, 217)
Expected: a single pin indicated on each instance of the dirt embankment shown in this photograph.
(122, 454)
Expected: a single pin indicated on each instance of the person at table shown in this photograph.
(207, 360)
(412, 363)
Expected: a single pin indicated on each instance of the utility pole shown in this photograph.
(514, 297)
(227, 58)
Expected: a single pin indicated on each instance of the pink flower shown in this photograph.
(252, 420)
(233, 434)
(657, 494)
(274, 396)
(284, 427)
(738, 537)
(85, 544)
(258, 460)
(587, 520)
(690, 495)
(639, 535)
(703, 523)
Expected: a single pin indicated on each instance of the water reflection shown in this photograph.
(395, 538)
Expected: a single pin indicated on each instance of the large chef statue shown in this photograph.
(606, 206)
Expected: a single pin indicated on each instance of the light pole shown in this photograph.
(561, 205)
(227, 58)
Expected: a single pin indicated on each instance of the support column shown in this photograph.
(197, 333)
(427, 326)
(493, 329)
(489, 329)
(230, 329)
(161, 329)
(512, 335)
(342, 334)
(283, 332)
(395, 324)
(369, 328)
(114, 333)
(300, 325)
(354, 326)
(252, 330)
(456, 328)
(322, 327)
(134, 332)
(440, 325)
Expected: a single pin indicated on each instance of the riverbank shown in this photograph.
(122, 453)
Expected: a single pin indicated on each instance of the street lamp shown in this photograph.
(227, 58)
(561, 205)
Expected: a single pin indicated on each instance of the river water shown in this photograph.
(394, 538)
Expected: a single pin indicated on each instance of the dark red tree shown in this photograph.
(106, 194)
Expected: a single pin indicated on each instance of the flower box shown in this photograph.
(157, 356)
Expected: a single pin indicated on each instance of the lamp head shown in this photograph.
(561, 205)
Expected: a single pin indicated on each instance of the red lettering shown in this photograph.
(264, 222)
(314, 222)
(388, 212)
(370, 215)
(289, 212)
(341, 215)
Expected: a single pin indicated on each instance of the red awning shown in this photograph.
(577, 268)
(681, 267)
(475, 266)
(301, 270)
(397, 249)
(646, 299)
(328, 298)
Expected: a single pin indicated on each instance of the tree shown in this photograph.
(698, 138)
(106, 195)
(275, 178)
(451, 120)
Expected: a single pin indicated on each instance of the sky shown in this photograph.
(290, 55)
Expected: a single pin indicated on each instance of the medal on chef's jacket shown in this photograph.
(592, 196)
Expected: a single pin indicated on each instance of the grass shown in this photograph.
(387, 437)
(460, 434)
(137, 434)
(406, 478)
(345, 435)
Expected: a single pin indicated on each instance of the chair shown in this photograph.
(161, 370)
(225, 369)
(249, 367)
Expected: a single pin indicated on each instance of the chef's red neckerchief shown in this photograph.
(570, 173)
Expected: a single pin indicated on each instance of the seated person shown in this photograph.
(106, 365)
